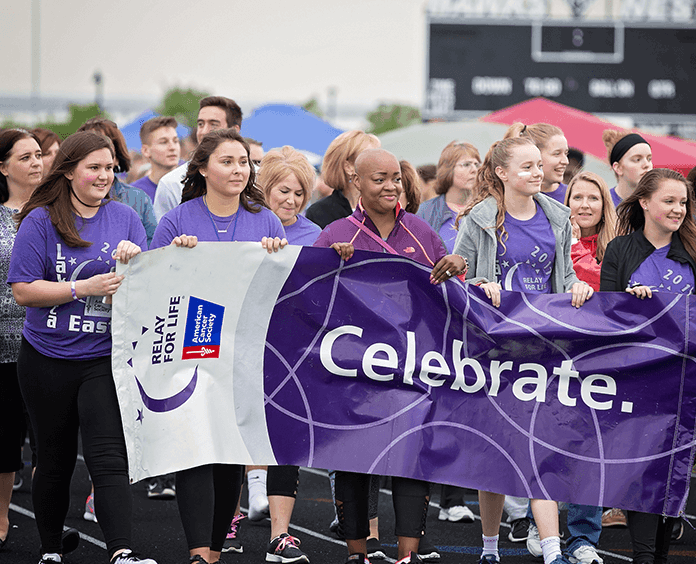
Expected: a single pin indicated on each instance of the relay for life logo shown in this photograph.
(203, 328)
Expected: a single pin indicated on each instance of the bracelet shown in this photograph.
(73, 291)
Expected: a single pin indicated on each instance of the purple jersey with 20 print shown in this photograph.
(526, 262)
(79, 329)
(194, 218)
(662, 274)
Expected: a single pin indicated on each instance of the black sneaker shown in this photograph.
(427, 550)
(156, 489)
(374, 549)
(412, 558)
(519, 530)
(232, 542)
(357, 558)
(285, 549)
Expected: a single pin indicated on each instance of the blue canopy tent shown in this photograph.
(276, 125)
(131, 131)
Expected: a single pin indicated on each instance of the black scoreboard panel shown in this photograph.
(602, 67)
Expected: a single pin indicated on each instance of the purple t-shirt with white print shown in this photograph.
(662, 274)
(526, 262)
(194, 218)
(79, 329)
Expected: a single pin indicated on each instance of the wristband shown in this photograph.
(73, 290)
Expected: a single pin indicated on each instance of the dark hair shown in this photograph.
(233, 113)
(427, 172)
(578, 155)
(691, 177)
(110, 129)
(55, 192)
(46, 138)
(632, 216)
(8, 139)
(154, 124)
(411, 183)
(251, 141)
(251, 198)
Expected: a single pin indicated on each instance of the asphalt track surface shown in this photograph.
(157, 531)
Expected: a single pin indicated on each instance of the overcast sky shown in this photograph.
(260, 50)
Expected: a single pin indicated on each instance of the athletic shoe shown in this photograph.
(456, 514)
(169, 486)
(198, 558)
(614, 517)
(357, 558)
(50, 559)
(89, 515)
(130, 557)
(489, 559)
(285, 549)
(427, 551)
(156, 489)
(533, 541)
(560, 559)
(374, 549)
(585, 554)
(232, 542)
(519, 530)
(412, 558)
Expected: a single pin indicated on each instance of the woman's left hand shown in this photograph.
(581, 292)
(125, 251)
(447, 267)
(273, 244)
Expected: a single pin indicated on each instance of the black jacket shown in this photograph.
(327, 210)
(626, 253)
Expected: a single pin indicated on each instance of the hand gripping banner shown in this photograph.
(226, 354)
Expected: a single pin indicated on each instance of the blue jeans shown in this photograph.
(584, 525)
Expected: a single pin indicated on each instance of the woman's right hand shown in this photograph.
(99, 285)
(492, 290)
(188, 241)
(641, 292)
(345, 250)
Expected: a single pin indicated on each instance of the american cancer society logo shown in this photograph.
(203, 329)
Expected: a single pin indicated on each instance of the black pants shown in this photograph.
(12, 422)
(207, 497)
(651, 536)
(62, 398)
(283, 480)
(410, 498)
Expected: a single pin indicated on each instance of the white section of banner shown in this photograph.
(202, 409)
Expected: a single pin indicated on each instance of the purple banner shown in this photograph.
(370, 368)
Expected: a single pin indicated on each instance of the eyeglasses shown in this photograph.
(469, 164)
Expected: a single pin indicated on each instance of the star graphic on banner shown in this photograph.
(73, 261)
(506, 264)
(140, 416)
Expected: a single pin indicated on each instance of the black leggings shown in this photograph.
(12, 422)
(283, 480)
(651, 536)
(410, 498)
(64, 397)
(207, 497)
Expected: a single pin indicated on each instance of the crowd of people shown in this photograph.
(479, 219)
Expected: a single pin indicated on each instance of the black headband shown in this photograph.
(624, 145)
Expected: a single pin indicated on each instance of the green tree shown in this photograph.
(79, 114)
(392, 116)
(182, 104)
(312, 106)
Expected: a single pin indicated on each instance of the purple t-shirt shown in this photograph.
(615, 197)
(662, 274)
(559, 193)
(193, 218)
(79, 329)
(302, 232)
(146, 185)
(529, 253)
(449, 233)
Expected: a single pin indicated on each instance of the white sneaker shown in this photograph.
(130, 557)
(456, 514)
(585, 554)
(534, 542)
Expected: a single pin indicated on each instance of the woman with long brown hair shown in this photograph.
(69, 238)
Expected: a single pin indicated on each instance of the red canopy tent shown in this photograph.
(584, 132)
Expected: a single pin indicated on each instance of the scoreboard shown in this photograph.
(480, 65)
